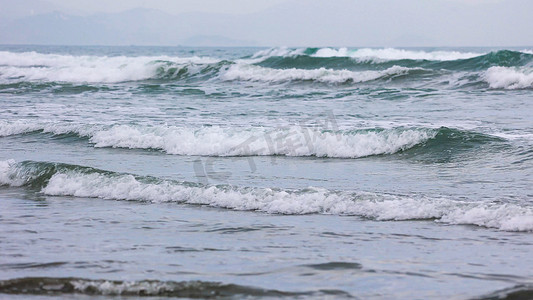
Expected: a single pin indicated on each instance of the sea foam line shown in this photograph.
(234, 141)
(72, 181)
(9, 128)
(141, 288)
(245, 72)
(369, 54)
(32, 66)
(394, 54)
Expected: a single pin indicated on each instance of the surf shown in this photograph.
(290, 140)
(77, 74)
(58, 179)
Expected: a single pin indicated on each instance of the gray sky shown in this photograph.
(181, 6)
(171, 6)
(379, 23)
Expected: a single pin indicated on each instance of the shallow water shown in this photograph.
(180, 172)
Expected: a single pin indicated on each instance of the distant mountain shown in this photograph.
(14, 9)
(215, 40)
(131, 27)
(292, 23)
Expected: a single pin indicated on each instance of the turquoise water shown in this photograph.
(283, 172)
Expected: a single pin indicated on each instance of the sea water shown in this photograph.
(250, 172)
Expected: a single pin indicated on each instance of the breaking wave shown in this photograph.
(263, 141)
(368, 53)
(509, 78)
(145, 288)
(57, 179)
(277, 65)
(9, 128)
(32, 66)
(257, 73)
(479, 63)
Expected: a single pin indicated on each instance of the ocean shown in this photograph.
(367, 173)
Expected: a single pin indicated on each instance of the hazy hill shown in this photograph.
(293, 23)
(13, 9)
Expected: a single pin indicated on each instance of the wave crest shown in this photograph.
(509, 78)
(287, 141)
(323, 75)
(277, 65)
(394, 54)
(32, 66)
(265, 141)
(148, 288)
(71, 180)
(368, 54)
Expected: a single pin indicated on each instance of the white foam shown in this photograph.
(8, 174)
(145, 288)
(255, 73)
(527, 137)
(8, 128)
(506, 217)
(17, 127)
(397, 54)
(289, 141)
(32, 66)
(371, 54)
(509, 78)
(382, 207)
(312, 200)
(332, 52)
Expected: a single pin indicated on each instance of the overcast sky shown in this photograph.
(180, 6)
(378, 23)
(172, 6)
